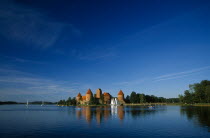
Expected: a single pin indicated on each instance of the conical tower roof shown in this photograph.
(89, 91)
(120, 92)
(79, 95)
(106, 94)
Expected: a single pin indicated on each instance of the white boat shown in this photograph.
(42, 103)
(27, 103)
(151, 107)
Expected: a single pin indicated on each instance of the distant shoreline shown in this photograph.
(34, 103)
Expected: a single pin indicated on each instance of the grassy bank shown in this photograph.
(181, 104)
(196, 104)
(201, 104)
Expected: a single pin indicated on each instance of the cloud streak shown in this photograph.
(163, 77)
(181, 74)
(14, 82)
(21, 60)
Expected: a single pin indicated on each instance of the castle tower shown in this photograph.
(98, 93)
(88, 95)
(107, 98)
(120, 96)
(79, 97)
(83, 99)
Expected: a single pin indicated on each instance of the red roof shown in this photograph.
(120, 92)
(106, 94)
(79, 95)
(89, 91)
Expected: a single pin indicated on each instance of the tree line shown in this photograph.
(142, 98)
(69, 101)
(197, 93)
(8, 102)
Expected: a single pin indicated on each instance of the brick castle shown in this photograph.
(104, 98)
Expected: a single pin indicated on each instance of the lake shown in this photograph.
(107, 121)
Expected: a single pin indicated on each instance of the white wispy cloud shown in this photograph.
(12, 72)
(162, 77)
(21, 60)
(14, 82)
(26, 25)
(181, 74)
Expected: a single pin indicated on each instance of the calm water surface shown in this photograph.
(121, 121)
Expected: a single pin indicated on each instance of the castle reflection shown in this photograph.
(105, 113)
(120, 112)
(198, 115)
(100, 113)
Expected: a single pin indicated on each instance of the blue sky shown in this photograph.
(54, 49)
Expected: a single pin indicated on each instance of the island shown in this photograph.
(100, 98)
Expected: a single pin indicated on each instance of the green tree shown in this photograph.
(133, 97)
(181, 98)
(207, 92)
(199, 92)
(187, 97)
(142, 98)
(163, 100)
(127, 99)
(153, 99)
(62, 102)
(74, 101)
(68, 101)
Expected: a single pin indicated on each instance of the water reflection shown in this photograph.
(99, 113)
(198, 115)
(104, 113)
(120, 112)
